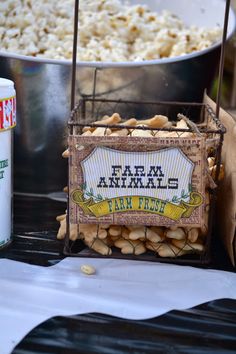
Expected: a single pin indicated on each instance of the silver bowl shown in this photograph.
(43, 92)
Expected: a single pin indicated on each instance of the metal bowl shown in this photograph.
(43, 92)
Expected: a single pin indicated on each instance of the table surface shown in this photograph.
(208, 328)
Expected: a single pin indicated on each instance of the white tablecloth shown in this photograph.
(129, 289)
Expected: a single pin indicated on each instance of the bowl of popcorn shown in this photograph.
(143, 50)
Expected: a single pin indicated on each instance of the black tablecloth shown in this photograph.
(208, 328)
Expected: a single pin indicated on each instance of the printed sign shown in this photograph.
(7, 113)
(154, 185)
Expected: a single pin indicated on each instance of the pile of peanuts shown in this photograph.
(173, 241)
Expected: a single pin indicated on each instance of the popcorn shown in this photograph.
(109, 30)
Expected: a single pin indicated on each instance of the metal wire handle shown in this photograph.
(75, 39)
(222, 58)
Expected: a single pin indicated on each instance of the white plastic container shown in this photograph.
(7, 122)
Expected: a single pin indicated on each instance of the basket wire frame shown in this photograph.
(208, 124)
(90, 109)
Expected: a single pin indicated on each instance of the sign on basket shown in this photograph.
(144, 182)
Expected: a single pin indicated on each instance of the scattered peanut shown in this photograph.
(100, 131)
(114, 119)
(130, 246)
(87, 133)
(99, 246)
(65, 154)
(178, 234)
(158, 121)
(115, 230)
(141, 133)
(88, 269)
(213, 172)
(168, 250)
(188, 246)
(193, 234)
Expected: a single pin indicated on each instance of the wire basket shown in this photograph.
(205, 142)
(90, 214)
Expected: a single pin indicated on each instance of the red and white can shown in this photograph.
(7, 122)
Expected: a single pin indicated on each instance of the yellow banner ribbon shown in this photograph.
(137, 203)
